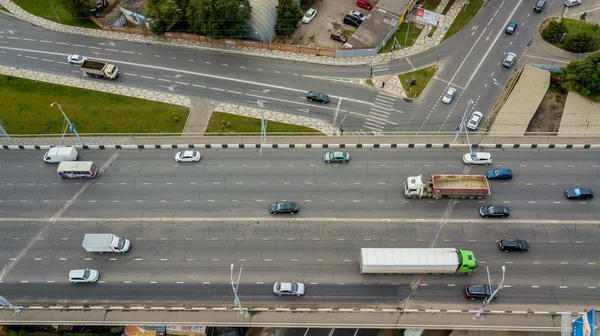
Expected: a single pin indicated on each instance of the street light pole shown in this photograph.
(494, 294)
(462, 121)
(337, 110)
(263, 126)
(69, 124)
(498, 84)
(4, 302)
(234, 287)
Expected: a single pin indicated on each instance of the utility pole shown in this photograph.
(462, 121)
(342, 123)
(263, 126)
(234, 287)
(4, 302)
(69, 124)
(407, 17)
(337, 110)
(52, 6)
(494, 294)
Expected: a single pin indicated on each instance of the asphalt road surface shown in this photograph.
(189, 222)
(470, 62)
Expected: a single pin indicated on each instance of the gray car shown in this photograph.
(509, 59)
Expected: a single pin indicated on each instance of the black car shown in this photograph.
(494, 211)
(317, 96)
(513, 245)
(284, 207)
(579, 194)
(479, 291)
(352, 21)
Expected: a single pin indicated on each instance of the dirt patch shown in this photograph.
(548, 115)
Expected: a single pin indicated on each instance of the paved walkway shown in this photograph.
(422, 44)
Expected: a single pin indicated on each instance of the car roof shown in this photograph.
(285, 286)
(311, 10)
(76, 273)
(477, 113)
(484, 155)
(451, 89)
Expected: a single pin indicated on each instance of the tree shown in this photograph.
(164, 14)
(580, 42)
(554, 31)
(288, 15)
(583, 75)
(219, 19)
(77, 8)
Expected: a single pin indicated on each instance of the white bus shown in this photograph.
(80, 169)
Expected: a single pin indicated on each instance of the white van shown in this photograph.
(570, 3)
(59, 154)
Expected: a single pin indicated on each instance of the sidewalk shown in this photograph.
(421, 45)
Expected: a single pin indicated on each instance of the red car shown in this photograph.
(364, 4)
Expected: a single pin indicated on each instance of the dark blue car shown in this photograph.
(499, 174)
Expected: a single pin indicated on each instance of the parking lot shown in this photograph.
(329, 18)
(591, 7)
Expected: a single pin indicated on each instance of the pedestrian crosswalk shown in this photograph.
(379, 114)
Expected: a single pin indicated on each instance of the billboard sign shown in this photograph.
(429, 18)
(585, 324)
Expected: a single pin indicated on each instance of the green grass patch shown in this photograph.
(574, 27)
(26, 110)
(44, 9)
(448, 6)
(422, 78)
(413, 34)
(224, 123)
(369, 82)
(464, 17)
(431, 5)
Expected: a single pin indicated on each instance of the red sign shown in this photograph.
(420, 12)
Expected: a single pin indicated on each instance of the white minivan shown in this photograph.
(60, 154)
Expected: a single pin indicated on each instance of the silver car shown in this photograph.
(449, 95)
(288, 288)
(76, 59)
(509, 59)
(84, 275)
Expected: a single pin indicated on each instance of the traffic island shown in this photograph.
(415, 82)
(576, 36)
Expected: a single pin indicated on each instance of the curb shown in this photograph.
(315, 146)
(333, 310)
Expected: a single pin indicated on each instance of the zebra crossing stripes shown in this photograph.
(379, 113)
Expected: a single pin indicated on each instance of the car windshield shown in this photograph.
(86, 274)
(307, 15)
(121, 243)
(294, 287)
(490, 209)
(497, 172)
(281, 206)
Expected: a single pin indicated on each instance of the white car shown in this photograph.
(288, 288)
(84, 275)
(309, 15)
(187, 156)
(358, 15)
(449, 95)
(76, 59)
(475, 120)
(478, 158)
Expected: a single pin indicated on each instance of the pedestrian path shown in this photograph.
(379, 113)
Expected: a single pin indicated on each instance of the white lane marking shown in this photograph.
(94, 48)
(55, 218)
(303, 91)
(500, 33)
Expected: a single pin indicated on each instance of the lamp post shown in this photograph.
(462, 121)
(498, 84)
(69, 124)
(4, 302)
(263, 127)
(234, 287)
(494, 294)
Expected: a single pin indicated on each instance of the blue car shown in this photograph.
(499, 174)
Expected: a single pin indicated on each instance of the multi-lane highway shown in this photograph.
(470, 62)
(189, 222)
